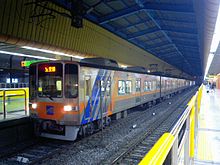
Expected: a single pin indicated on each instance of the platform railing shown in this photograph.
(13, 85)
(181, 149)
(7, 95)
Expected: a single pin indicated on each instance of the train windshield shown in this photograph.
(50, 80)
(71, 81)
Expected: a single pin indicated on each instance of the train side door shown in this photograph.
(138, 91)
(105, 96)
(88, 95)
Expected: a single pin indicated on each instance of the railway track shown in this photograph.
(37, 152)
(50, 149)
(135, 152)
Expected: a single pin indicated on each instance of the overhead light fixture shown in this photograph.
(123, 66)
(53, 52)
(214, 45)
(26, 55)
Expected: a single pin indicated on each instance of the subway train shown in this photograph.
(70, 99)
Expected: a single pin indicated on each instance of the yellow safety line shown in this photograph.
(159, 151)
(204, 150)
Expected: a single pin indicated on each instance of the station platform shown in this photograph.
(207, 149)
(13, 103)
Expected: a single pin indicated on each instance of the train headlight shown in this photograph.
(67, 108)
(34, 105)
(70, 108)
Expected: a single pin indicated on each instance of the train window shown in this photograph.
(138, 85)
(71, 81)
(121, 87)
(128, 87)
(158, 84)
(50, 80)
(150, 86)
(168, 84)
(105, 87)
(88, 85)
(102, 86)
(154, 85)
(59, 85)
(108, 87)
(146, 86)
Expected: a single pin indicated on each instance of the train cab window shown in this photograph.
(50, 80)
(71, 81)
(138, 85)
(128, 87)
(121, 87)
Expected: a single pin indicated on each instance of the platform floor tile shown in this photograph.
(208, 138)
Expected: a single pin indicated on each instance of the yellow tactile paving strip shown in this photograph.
(204, 149)
(208, 143)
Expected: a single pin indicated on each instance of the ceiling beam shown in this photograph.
(167, 54)
(162, 44)
(132, 25)
(146, 7)
(176, 21)
(153, 30)
(169, 39)
(182, 43)
(141, 33)
(187, 46)
(147, 21)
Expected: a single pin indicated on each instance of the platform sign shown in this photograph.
(28, 63)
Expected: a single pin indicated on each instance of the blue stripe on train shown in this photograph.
(98, 96)
(99, 112)
(95, 91)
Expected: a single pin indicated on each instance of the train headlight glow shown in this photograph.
(70, 108)
(67, 108)
(34, 105)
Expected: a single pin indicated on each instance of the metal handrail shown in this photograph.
(4, 100)
(177, 127)
(167, 139)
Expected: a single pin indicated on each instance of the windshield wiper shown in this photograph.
(50, 97)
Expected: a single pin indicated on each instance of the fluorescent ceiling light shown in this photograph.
(123, 66)
(214, 45)
(26, 55)
(53, 52)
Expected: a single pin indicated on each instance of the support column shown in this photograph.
(186, 146)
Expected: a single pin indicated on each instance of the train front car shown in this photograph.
(54, 99)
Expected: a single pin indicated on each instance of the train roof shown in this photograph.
(104, 63)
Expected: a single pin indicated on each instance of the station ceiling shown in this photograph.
(214, 67)
(177, 31)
